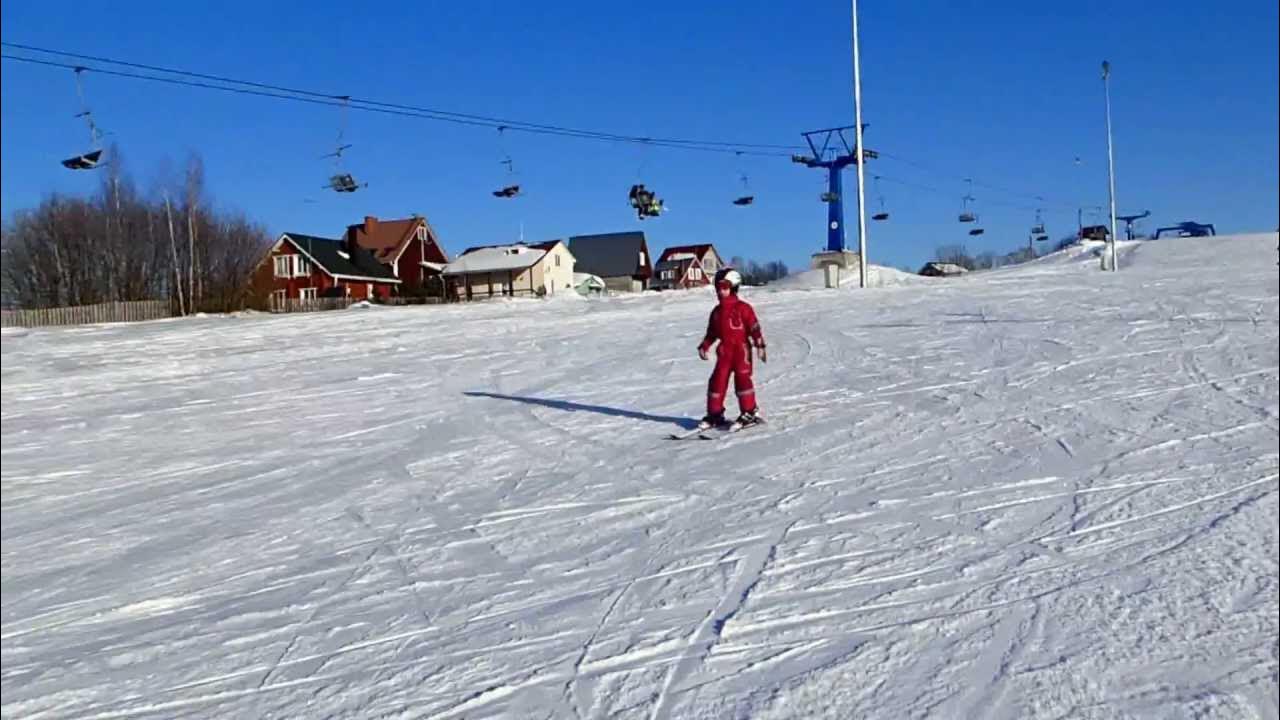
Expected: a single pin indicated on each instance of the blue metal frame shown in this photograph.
(835, 206)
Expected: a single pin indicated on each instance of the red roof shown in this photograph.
(700, 251)
(386, 238)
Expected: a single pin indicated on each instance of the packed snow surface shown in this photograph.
(1038, 492)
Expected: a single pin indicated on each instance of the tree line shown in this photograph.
(755, 273)
(118, 244)
(958, 254)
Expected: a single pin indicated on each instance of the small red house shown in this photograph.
(305, 267)
(687, 266)
(409, 248)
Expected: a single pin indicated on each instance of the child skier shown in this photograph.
(733, 322)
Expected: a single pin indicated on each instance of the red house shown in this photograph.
(686, 266)
(304, 267)
(409, 248)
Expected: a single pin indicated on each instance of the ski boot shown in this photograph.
(712, 420)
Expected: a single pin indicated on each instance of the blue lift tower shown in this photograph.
(827, 154)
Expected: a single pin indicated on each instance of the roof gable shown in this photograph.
(611, 254)
(499, 258)
(698, 251)
(387, 239)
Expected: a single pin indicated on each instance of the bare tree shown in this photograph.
(956, 255)
(112, 246)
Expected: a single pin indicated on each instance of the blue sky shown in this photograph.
(1007, 93)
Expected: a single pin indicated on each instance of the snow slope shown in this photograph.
(877, 276)
(1038, 492)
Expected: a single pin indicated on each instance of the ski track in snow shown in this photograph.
(1037, 492)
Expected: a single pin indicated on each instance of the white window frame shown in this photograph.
(278, 298)
(301, 266)
(286, 266)
(557, 259)
(642, 258)
(422, 232)
(307, 293)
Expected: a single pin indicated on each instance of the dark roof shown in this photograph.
(610, 254)
(328, 254)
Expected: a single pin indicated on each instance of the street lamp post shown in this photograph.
(1111, 162)
(857, 111)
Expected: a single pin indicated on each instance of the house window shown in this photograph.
(696, 273)
(307, 293)
(641, 258)
(557, 261)
(282, 266)
(301, 266)
(277, 299)
(422, 232)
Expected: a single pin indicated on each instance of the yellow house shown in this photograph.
(541, 270)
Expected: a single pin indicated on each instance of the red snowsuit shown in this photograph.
(733, 322)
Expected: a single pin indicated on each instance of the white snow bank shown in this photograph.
(1043, 492)
(877, 276)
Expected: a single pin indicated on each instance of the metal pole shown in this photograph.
(835, 209)
(857, 112)
(1111, 162)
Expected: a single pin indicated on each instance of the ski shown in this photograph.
(730, 429)
(688, 434)
(713, 432)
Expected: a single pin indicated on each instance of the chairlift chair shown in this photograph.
(511, 189)
(645, 202)
(86, 161)
(343, 183)
(91, 159)
(747, 197)
(967, 215)
(1038, 227)
(882, 213)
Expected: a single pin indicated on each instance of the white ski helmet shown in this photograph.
(729, 275)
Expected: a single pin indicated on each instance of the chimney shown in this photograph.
(353, 232)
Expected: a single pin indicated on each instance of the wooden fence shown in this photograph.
(88, 314)
(293, 305)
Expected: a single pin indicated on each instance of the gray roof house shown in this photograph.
(622, 259)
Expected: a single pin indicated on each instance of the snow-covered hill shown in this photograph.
(1038, 492)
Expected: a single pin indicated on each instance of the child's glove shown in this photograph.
(702, 352)
(760, 351)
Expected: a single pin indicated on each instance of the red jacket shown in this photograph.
(732, 322)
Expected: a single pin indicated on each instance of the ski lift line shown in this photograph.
(327, 102)
(421, 115)
(988, 186)
(288, 93)
(481, 119)
(947, 193)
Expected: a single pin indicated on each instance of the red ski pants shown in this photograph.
(731, 360)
